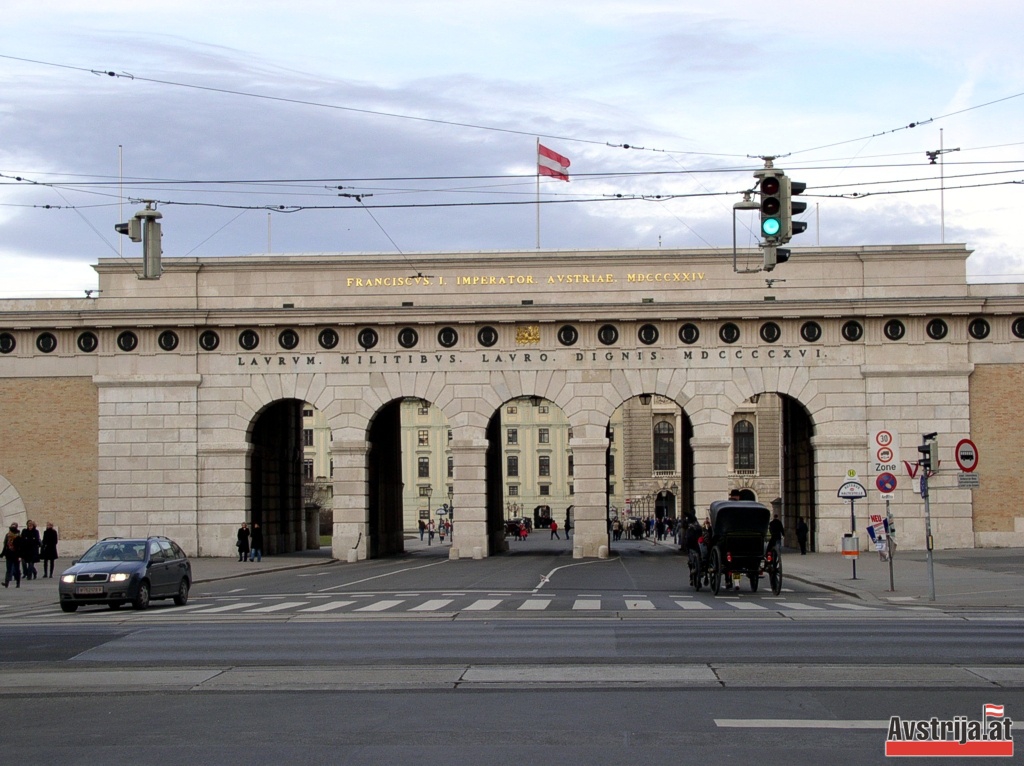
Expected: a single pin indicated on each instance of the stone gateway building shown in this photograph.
(175, 406)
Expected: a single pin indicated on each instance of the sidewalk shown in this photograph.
(979, 577)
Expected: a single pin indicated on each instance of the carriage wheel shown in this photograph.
(715, 571)
(695, 569)
(775, 577)
(754, 576)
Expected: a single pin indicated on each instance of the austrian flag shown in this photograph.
(552, 164)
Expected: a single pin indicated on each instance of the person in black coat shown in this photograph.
(12, 553)
(801, 534)
(243, 542)
(30, 544)
(256, 542)
(48, 552)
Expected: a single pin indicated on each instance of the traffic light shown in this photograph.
(790, 189)
(772, 187)
(133, 228)
(929, 452)
(144, 227)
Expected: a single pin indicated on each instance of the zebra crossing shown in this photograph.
(312, 606)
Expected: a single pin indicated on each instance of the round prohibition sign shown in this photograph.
(884, 455)
(886, 483)
(883, 438)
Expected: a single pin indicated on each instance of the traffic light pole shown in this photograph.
(928, 459)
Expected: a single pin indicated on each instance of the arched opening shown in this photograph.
(276, 485)
(772, 459)
(410, 476)
(529, 470)
(650, 465)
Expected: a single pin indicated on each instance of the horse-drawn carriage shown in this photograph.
(736, 544)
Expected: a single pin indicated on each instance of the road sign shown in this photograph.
(886, 483)
(883, 452)
(966, 455)
(852, 490)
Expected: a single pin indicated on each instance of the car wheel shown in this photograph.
(142, 597)
(67, 606)
(181, 598)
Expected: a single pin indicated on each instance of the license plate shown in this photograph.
(88, 590)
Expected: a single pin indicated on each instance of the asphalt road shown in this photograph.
(520, 658)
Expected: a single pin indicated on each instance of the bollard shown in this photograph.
(478, 552)
(602, 552)
(577, 551)
(353, 556)
(453, 554)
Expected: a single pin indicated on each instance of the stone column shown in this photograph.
(350, 537)
(710, 468)
(590, 478)
(833, 457)
(470, 539)
(224, 496)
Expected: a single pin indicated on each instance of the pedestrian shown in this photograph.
(430, 532)
(776, 532)
(423, 529)
(48, 552)
(801, 534)
(256, 542)
(554, 530)
(243, 542)
(440, 531)
(30, 543)
(12, 553)
(568, 526)
(734, 494)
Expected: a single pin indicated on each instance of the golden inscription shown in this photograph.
(527, 334)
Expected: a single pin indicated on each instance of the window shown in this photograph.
(511, 410)
(545, 489)
(307, 437)
(512, 465)
(544, 465)
(743, 446)
(664, 446)
(425, 490)
(423, 467)
(543, 409)
(423, 410)
(451, 467)
(513, 436)
(611, 434)
(449, 436)
(513, 490)
(307, 469)
(611, 464)
(307, 413)
(423, 437)
(544, 435)
(572, 465)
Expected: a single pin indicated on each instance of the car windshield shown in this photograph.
(115, 551)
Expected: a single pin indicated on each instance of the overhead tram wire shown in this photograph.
(357, 110)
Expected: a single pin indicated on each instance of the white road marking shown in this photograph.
(535, 604)
(483, 604)
(279, 607)
(433, 605)
(380, 606)
(328, 607)
(587, 603)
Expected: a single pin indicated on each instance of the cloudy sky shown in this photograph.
(427, 113)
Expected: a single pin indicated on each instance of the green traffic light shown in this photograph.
(770, 227)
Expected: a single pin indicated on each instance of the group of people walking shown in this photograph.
(442, 529)
(24, 548)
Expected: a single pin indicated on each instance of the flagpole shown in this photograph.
(537, 155)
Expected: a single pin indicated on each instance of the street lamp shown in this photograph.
(429, 490)
(451, 508)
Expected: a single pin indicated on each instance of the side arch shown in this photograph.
(12, 507)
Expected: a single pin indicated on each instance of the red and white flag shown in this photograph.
(993, 711)
(552, 164)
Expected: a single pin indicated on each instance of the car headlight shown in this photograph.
(67, 578)
(119, 577)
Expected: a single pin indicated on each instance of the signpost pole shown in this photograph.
(853, 531)
(888, 547)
